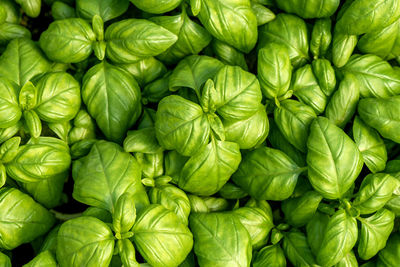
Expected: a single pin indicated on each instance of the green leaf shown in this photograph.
(83, 128)
(220, 240)
(263, 14)
(161, 238)
(267, 174)
(325, 75)
(10, 31)
(132, 40)
(257, 222)
(271, 255)
(146, 70)
(124, 214)
(238, 93)
(22, 60)
(40, 159)
(342, 48)
(334, 161)
(106, 9)
(375, 231)
(232, 22)
(371, 146)
(315, 230)
(300, 210)
(172, 198)
(112, 97)
(375, 191)
(43, 259)
(383, 42)
(390, 255)
(143, 141)
(349, 260)
(32, 123)
(21, 218)
(181, 125)
(155, 6)
(193, 72)
(309, 9)
(83, 236)
(380, 114)
(192, 38)
(364, 16)
(228, 54)
(127, 253)
(61, 10)
(5, 260)
(10, 113)
(306, 88)
(105, 174)
(376, 76)
(289, 31)
(152, 164)
(74, 37)
(339, 238)
(250, 132)
(297, 249)
(274, 70)
(321, 36)
(293, 119)
(30, 7)
(343, 103)
(210, 168)
(28, 96)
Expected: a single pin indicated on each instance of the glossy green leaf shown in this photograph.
(30, 7)
(44, 259)
(342, 48)
(325, 75)
(334, 160)
(21, 218)
(268, 174)
(271, 255)
(297, 249)
(230, 21)
(132, 40)
(343, 103)
(40, 159)
(390, 255)
(105, 174)
(83, 236)
(315, 230)
(112, 97)
(300, 210)
(339, 238)
(380, 114)
(375, 231)
(349, 260)
(274, 70)
(371, 146)
(161, 238)
(156, 6)
(5, 260)
(220, 240)
(21, 61)
(250, 132)
(61, 10)
(192, 38)
(321, 37)
(309, 9)
(10, 31)
(263, 14)
(181, 125)
(124, 214)
(228, 54)
(106, 9)
(306, 88)
(289, 31)
(210, 168)
(127, 253)
(74, 38)
(375, 191)
(293, 119)
(10, 112)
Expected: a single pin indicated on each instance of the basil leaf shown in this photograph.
(75, 39)
(375, 231)
(334, 161)
(155, 6)
(11, 112)
(83, 236)
(267, 174)
(210, 168)
(339, 238)
(106, 9)
(112, 97)
(309, 9)
(220, 240)
(44, 258)
(371, 146)
(115, 172)
(161, 238)
(271, 255)
(380, 115)
(132, 40)
(21, 218)
(297, 249)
